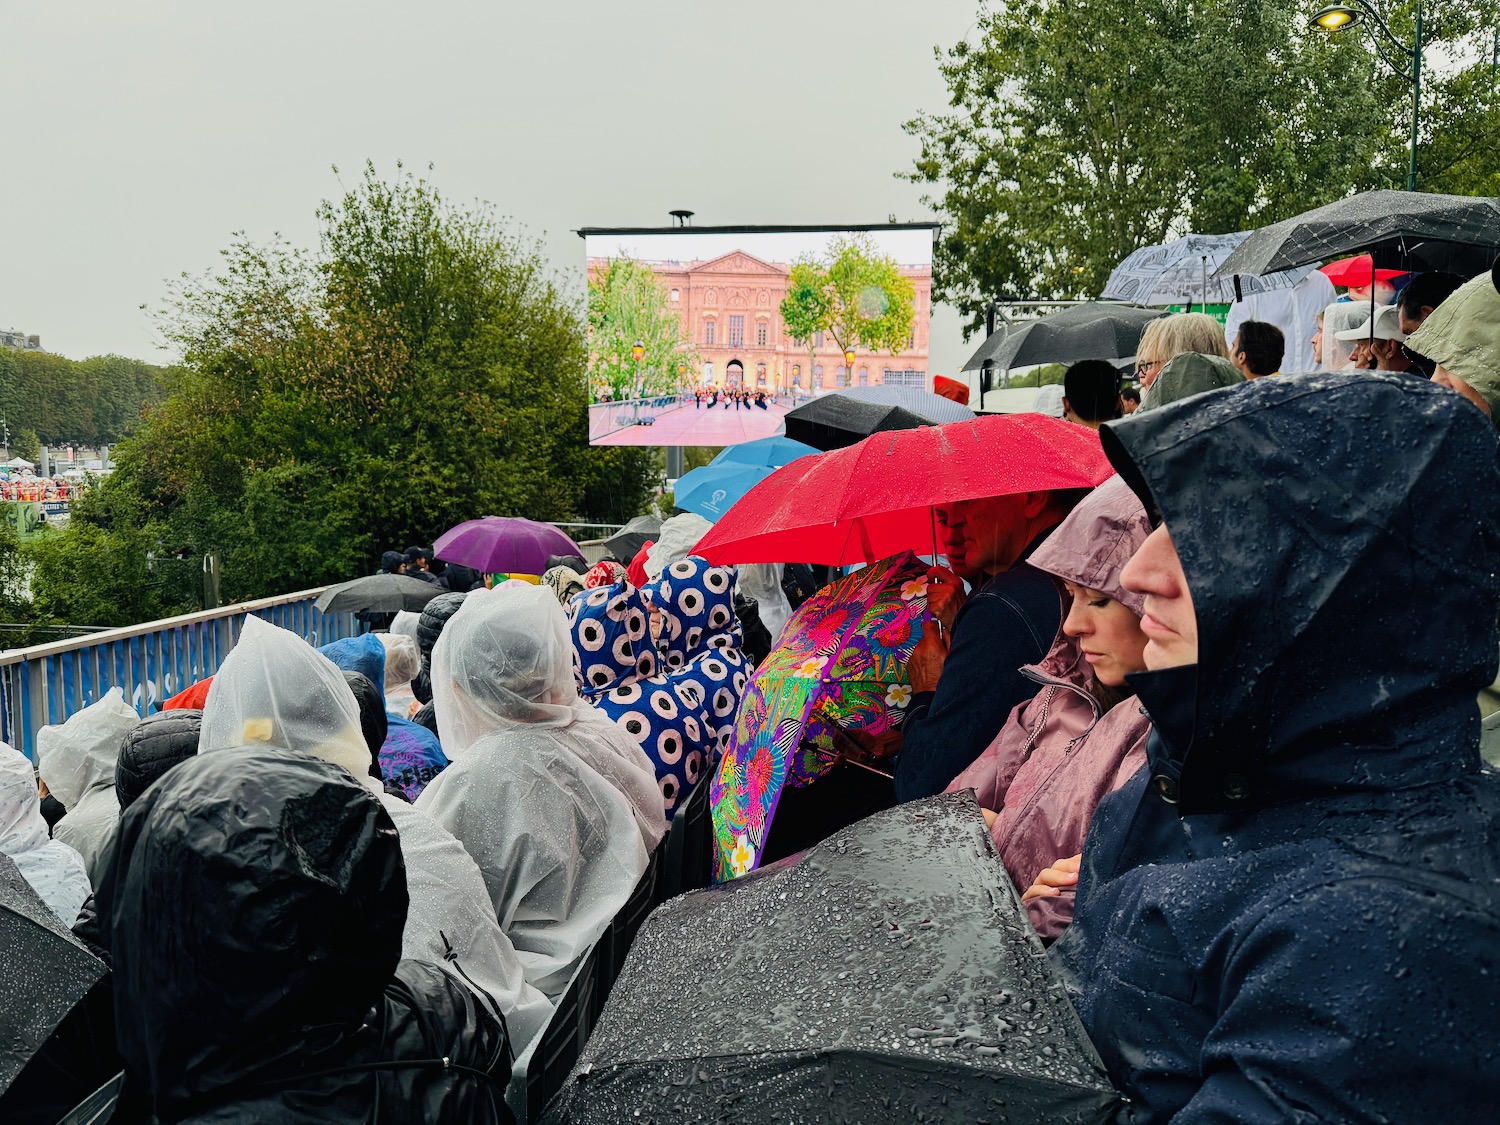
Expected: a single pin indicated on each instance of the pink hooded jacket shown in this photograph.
(1060, 752)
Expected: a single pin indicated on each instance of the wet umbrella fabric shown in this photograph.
(774, 452)
(844, 417)
(45, 968)
(1387, 223)
(887, 974)
(1181, 272)
(377, 593)
(874, 500)
(712, 490)
(626, 543)
(504, 545)
(1095, 330)
(838, 666)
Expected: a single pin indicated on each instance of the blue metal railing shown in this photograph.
(45, 684)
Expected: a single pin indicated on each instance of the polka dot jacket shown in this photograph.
(676, 694)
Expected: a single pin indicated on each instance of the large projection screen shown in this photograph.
(737, 325)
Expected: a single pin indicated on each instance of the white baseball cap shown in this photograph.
(1387, 326)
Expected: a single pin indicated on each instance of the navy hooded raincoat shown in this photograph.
(1293, 912)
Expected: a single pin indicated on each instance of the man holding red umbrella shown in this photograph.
(967, 681)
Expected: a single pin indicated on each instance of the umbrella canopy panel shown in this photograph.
(1391, 224)
(1181, 272)
(887, 974)
(1094, 330)
(381, 593)
(873, 500)
(47, 971)
(842, 418)
(712, 490)
(626, 543)
(504, 545)
(774, 452)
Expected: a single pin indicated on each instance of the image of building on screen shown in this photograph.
(729, 312)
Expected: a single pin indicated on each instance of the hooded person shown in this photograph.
(430, 625)
(254, 912)
(274, 690)
(403, 660)
(54, 870)
(1287, 915)
(538, 781)
(1462, 337)
(76, 760)
(153, 747)
(1083, 735)
(678, 536)
(664, 664)
(1188, 374)
(1341, 316)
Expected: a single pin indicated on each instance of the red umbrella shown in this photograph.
(503, 545)
(873, 500)
(1356, 272)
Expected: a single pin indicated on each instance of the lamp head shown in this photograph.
(848, 357)
(637, 351)
(1336, 17)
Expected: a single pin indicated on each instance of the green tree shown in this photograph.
(805, 308)
(1460, 116)
(855, 294)
(627, 303)
(25, 444)
(419, 368)
(65, 400)
(1078, 132)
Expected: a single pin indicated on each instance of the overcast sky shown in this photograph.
(140, 135)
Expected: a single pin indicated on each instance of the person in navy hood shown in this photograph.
(1292, 913)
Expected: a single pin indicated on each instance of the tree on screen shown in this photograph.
(627, 303)
(857, 295)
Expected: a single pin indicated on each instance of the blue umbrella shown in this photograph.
(774, 451)
(713, 489)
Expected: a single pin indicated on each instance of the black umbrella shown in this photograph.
(45, 969)
(1401, 229)
(845, 417)
(887, 974)
(626, 543)
(378, 593)
(1095, 330)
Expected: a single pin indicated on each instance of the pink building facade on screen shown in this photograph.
(730, 307)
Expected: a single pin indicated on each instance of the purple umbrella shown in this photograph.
(503, 545)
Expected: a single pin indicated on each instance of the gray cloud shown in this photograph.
(141, 135)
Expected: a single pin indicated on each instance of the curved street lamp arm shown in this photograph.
(1374, 13)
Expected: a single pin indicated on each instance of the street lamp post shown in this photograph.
(1338, 17)
(636, 352)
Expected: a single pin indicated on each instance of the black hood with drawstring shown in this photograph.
(1292, 912)
(254, 910)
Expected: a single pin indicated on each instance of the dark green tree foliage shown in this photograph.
(1078, 132)
(66, 400)
(420, 369)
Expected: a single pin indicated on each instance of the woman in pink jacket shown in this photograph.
(1083, 734)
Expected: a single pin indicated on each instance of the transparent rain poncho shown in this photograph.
(54, 870)
(275, 689)
(77, 761)
(679, 535)
(505, 664)
(762, 583)
(1338, 317)
(537, 785)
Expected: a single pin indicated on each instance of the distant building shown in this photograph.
(730, 307)
(10, 338)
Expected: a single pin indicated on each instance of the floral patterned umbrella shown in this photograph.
(839, 667)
